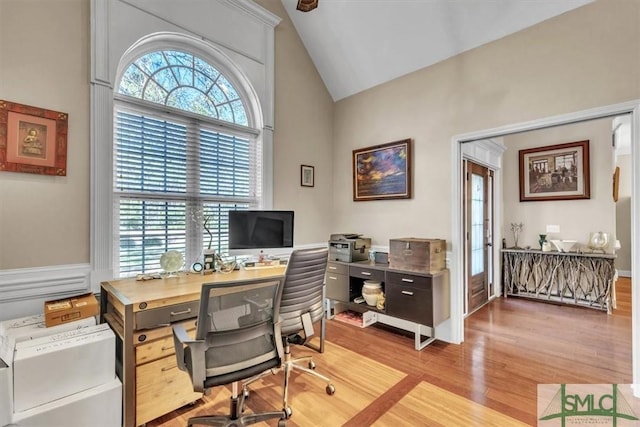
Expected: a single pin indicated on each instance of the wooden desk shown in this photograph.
(141, 314)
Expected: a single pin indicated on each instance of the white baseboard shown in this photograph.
(624, 273)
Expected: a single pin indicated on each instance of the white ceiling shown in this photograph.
(358, 44)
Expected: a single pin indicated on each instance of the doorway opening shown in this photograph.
(457, 269)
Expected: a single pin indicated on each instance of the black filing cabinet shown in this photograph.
(410, 297)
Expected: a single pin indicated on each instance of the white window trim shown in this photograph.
(105, 58)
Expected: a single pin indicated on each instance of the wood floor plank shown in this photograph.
(428, 405)
(511, 345)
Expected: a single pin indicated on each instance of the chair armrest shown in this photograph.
(198, 369)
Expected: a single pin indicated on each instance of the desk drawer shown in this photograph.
(163, 316)
(161, 388)
(409, 303)
(337, 286)
(410, 280)
(159, 342)
(337, 268)
(366, 273)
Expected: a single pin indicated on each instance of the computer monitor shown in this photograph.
(260, 233)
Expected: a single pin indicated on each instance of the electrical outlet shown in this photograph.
(553, 228)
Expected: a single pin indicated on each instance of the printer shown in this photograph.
(348, 247)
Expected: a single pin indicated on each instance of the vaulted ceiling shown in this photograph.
(358, 44)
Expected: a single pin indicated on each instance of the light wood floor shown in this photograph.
(510, 346)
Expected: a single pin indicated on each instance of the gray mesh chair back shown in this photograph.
(237, 337)
(303, 289)
(302, 305)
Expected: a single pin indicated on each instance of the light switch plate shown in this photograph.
(553, 228)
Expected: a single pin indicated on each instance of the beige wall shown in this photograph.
(569, 215)
(45, 220)
(44, 47)
(303, 134)
(583, 59)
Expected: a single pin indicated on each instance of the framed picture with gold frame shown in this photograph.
(32, 139)
(382, 171)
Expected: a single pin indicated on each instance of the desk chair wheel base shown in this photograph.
(331, 390)
(236, 419)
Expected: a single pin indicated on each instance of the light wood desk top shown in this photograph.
(148, 294)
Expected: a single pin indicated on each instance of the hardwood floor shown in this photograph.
(511, 345)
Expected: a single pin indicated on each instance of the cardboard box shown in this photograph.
(70, 309)
(52, 367)
(419, 255)
(6, 393)
(99, 406)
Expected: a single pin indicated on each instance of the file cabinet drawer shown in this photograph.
(337, 268)
(159, 342)
(160, 388)
(410, 303)
(403, 279)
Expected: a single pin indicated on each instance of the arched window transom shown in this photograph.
(183, 81)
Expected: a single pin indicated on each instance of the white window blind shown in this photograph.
(174, 170)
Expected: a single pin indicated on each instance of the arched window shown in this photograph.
(185, 153)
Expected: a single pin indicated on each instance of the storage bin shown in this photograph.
(416, 254)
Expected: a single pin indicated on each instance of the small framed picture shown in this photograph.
(32, 139)
(306, 175)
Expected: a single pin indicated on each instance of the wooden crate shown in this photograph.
(415, 254)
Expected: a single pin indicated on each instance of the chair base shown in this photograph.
(236, 419)
(291, 365)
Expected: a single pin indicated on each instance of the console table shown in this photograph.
(415, 302)
(141, 314)
(585, 279)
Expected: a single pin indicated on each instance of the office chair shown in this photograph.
(237, 338)
(302, 305)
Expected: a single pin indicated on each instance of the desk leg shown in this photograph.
(128, 371)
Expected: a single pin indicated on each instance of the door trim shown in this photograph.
(453, 331)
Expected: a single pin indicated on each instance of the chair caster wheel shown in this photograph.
(287, 412)
(330, 389)
(312, 365)
(282, 423)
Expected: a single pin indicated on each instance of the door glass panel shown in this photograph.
(477, 224)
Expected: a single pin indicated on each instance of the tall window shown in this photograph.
(184, 155)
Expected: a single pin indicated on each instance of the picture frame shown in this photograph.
(32, 139)
(383, 171)
(555, 172)
(307, 175)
